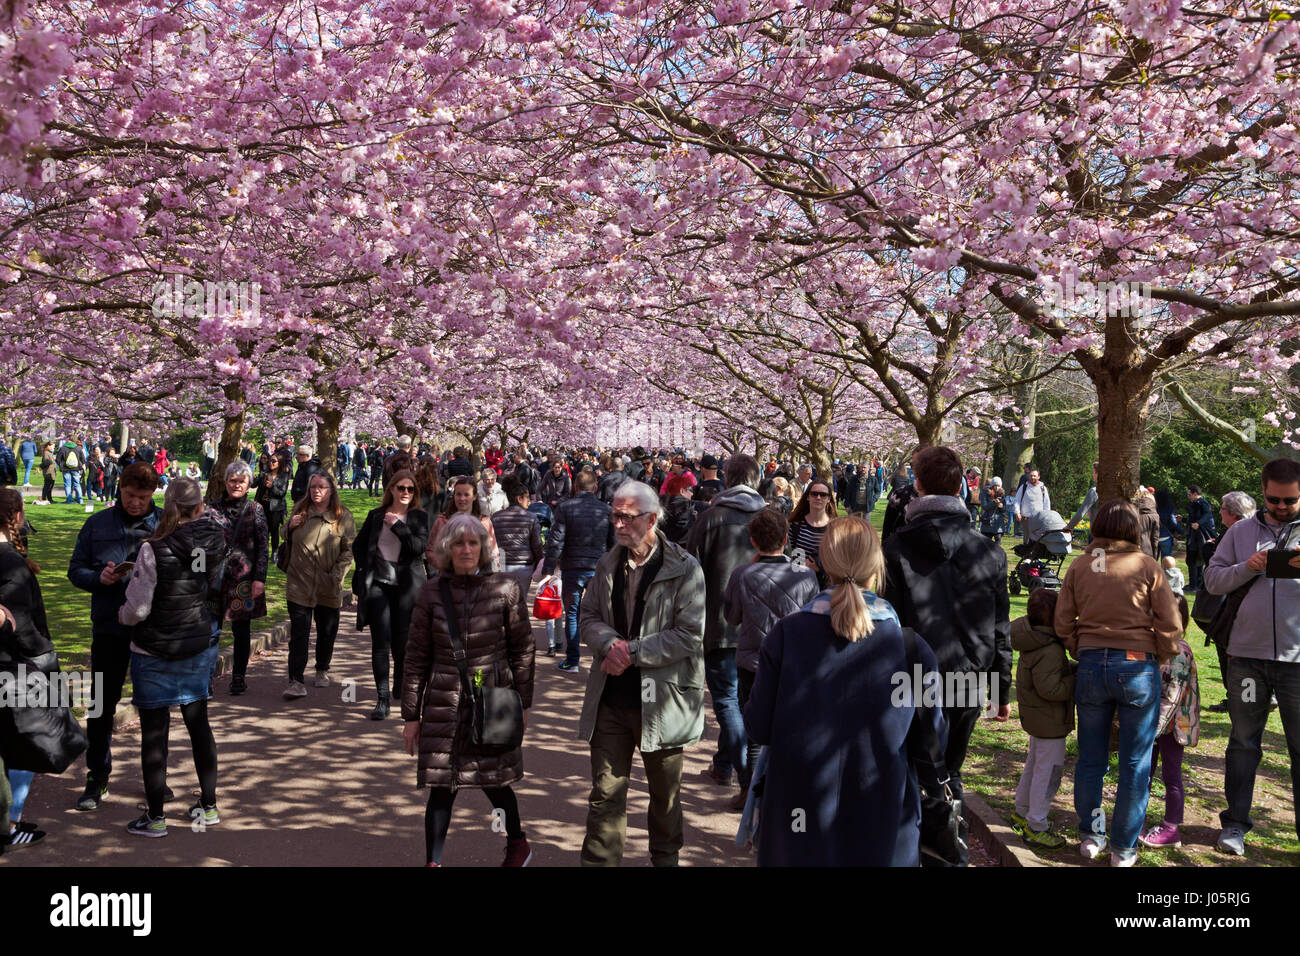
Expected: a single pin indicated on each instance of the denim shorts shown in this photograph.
(160, 683)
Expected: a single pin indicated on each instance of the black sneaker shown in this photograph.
(381, 710)
(92, 798)
(24, 837)
(148, 826)
(238, 685)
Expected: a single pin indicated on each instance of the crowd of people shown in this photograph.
(683, 576)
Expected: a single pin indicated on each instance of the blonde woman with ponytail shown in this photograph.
(826, 705)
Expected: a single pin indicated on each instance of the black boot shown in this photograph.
(381, 709)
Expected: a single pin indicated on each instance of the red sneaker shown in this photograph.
(517, 852)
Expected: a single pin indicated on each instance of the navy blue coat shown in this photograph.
(837, 746)
(581, 534)
(104, 538)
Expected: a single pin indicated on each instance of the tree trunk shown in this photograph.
(1121, 424)
(327, 437)
(232, 435)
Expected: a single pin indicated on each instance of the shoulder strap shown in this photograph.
(453, 633)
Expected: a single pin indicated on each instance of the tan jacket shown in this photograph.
(319, 558)
(1117, 598)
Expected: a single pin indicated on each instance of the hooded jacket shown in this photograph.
(949, 584)
(1267, 626)
(719, 540)
(1044, 681)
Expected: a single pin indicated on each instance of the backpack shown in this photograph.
(71, 461)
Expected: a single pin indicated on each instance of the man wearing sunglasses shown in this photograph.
(1264, 644)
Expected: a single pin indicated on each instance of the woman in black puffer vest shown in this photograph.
(174, 585)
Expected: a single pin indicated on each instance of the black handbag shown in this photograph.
(942, 827)
(40, 739)
(1204, 606)
(498, 712)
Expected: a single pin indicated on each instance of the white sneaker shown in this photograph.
(295, 689)
(1123, 857)
(322, 679)
(1092, 847)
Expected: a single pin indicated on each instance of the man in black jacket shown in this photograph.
(308, 465)
(579, 538)
(108, 541)
(719, 540)
(610, 481)
(949, 584)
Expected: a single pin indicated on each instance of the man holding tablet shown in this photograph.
(1264, 645)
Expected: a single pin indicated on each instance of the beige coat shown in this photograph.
(319, 558)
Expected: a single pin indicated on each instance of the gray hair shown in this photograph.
(303, 450)
(237, 466)
(1239, 503)
(457, 527)
(644, 496)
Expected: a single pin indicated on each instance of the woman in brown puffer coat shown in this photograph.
(498, 644)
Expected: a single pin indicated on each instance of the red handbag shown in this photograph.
(547, 606)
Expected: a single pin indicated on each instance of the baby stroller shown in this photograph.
(1044, 550)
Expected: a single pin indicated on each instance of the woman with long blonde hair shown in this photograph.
(827, 705)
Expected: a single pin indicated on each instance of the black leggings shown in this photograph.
(154, 724)
(437, 816)
(273, 526)
(388, 615)
(242, 632)
(47, 490)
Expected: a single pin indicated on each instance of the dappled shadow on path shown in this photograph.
(315, 782)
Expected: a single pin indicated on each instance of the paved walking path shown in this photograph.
(315, 782)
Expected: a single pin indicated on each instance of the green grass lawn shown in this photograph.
(997, 755)
(68, 607)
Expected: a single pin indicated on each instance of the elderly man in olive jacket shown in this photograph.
(642, 617)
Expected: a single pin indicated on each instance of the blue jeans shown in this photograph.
(575, 583)
(1166, 547)
(720, 675)
(72, 486)
(1108, 682)
(1258, 680)
(27, 464)
(20, 782)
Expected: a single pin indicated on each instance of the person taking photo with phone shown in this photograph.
(101, 564)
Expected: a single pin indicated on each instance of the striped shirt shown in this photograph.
(808, 538)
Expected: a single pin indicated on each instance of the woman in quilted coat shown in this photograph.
(498, 646)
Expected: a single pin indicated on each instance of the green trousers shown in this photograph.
(616, 737)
